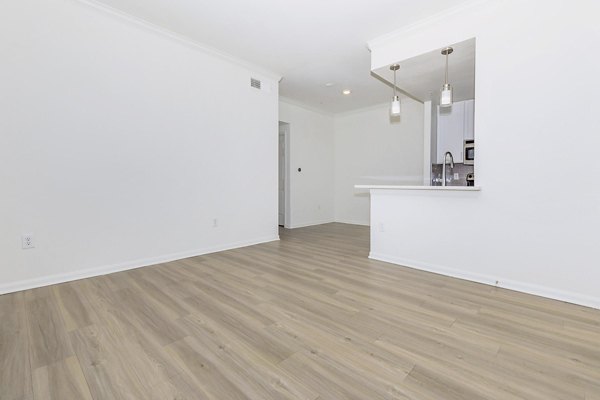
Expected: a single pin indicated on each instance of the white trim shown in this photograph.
(523, 287)
(305, 106)
(374, 107)
(312, 223)
(287, 216)
(124, 266)
(441, 16)
(341, 114)
(352, 222)
(140, 22)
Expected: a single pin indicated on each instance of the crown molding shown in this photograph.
(373, 107)
(142, 23)
(305, 106)
(439, 17)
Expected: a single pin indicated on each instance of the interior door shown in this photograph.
(281, 178)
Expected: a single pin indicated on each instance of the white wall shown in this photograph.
(371, 149)
(311, 149)
(120, 145)
(534, 225)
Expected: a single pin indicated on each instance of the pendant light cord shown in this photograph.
(394, 83)
(446, 82)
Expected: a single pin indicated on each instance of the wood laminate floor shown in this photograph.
(309, 317)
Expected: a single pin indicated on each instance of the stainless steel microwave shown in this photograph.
(469, 152)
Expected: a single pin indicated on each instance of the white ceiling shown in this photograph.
(423, 76)
(308, 42)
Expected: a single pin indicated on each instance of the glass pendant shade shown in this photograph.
(395, 104)
(395, 107)
(446, 97)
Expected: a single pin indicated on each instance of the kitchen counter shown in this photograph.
(435, 188)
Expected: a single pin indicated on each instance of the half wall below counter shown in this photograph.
(452, 231)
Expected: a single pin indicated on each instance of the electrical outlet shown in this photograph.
(215, 223)
(456, 176)
(27, 241)
(381, 227)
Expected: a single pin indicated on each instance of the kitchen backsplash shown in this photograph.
(461, 169)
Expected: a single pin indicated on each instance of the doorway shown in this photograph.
(284, 133)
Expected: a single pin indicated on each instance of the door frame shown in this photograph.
(285, 128)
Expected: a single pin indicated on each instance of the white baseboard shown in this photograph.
(108, 269)
(524, 287)
(312, 223)
(353, 222)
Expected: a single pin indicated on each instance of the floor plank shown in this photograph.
(14, 349)
(47, 332)
(61, 380)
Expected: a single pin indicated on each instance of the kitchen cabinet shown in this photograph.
(454, 126)
(469, 120)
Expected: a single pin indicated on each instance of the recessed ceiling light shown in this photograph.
(329, 84)
(346, 91)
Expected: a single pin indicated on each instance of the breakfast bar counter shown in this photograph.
(400, 187)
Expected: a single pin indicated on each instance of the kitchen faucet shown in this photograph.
(444, 166)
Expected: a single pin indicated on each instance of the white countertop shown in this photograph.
(439, 188)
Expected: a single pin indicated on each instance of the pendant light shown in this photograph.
(446, 97)
(395, 104)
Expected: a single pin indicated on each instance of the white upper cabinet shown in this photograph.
(454, 126)
(469, 119)
(450, 130)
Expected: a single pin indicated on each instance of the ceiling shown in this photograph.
(308, 42)
(423, 76)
